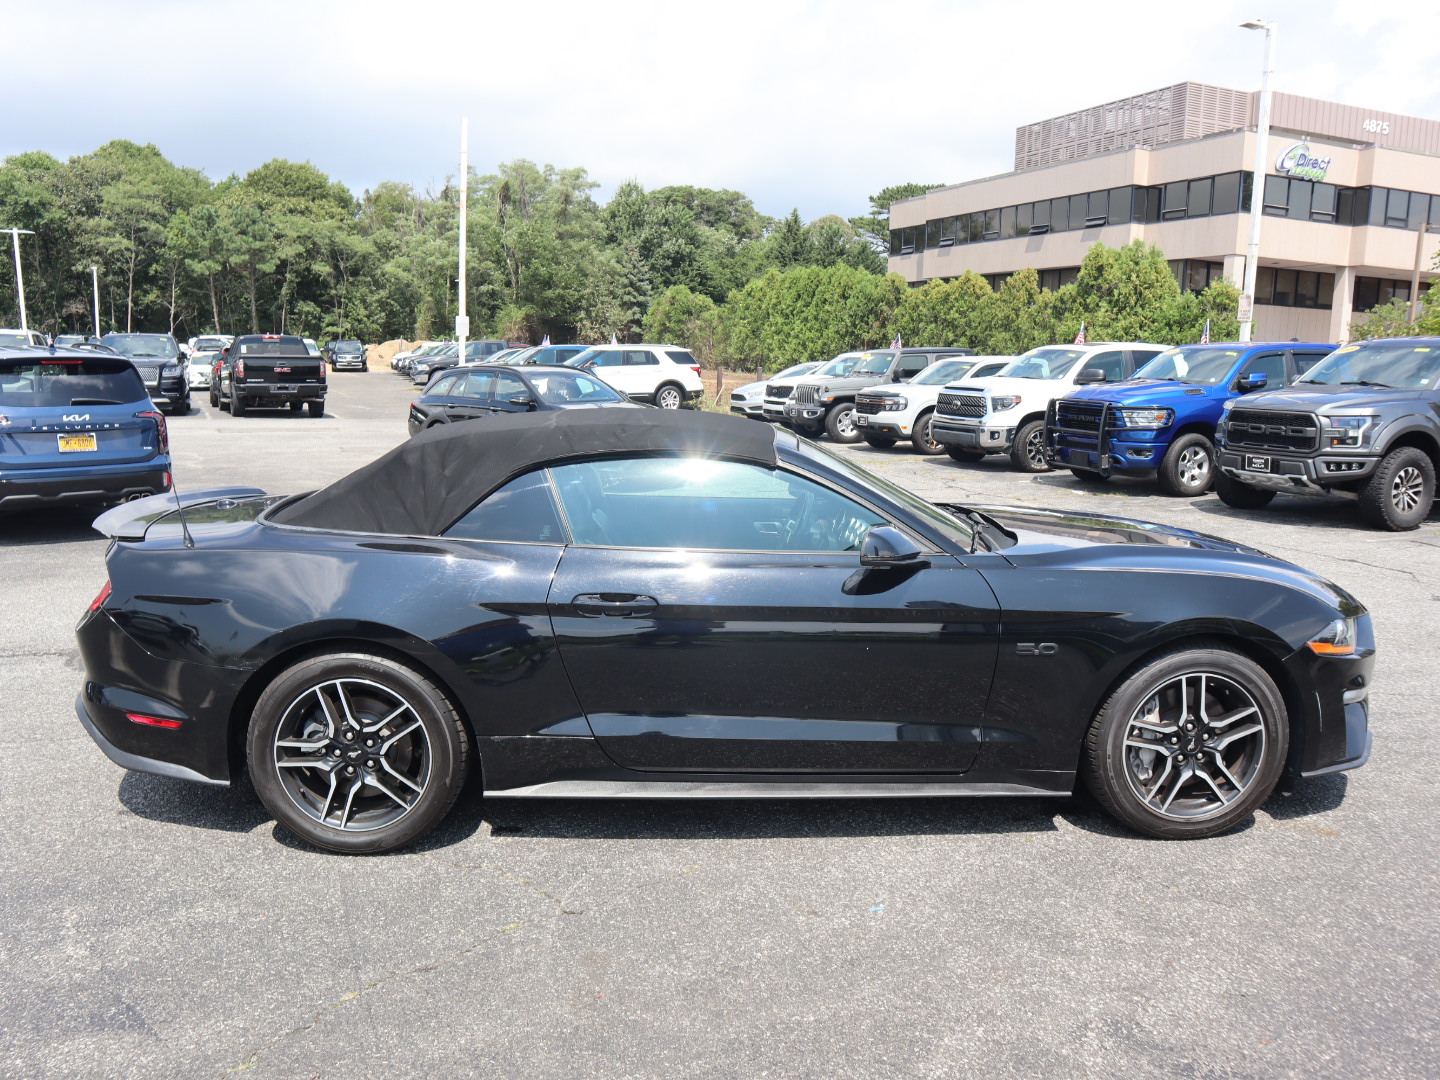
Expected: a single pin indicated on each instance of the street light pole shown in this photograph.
(19, 275)
(1257, 182)
(462, 320)
(95, 282)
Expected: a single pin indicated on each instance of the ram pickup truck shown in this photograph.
(269, 371)
(1364, 424)
(1006, 414)
(826, 403)
(1161, 421)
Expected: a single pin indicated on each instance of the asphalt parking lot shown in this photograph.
(152, 928)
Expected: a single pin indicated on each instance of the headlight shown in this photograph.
(1145, 418)
(1001, 403)
(1337, 639)
(170, 369)
(896, 404)
(1347, 431)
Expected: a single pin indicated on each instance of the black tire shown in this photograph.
(317, 408)
(1398, 497)
(1163, 792)
(1188, 468)
(423, 769)
(921, 439)
(880, 442)
(296, 406)
(365, 367)
(1240, 496)
(1027, 453)
(960, 454)
(1085, 476)
(237, 404)
(840, 423)
(668, 396)
(214, 399)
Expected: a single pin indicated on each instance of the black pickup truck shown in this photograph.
(268, 371)
(1364, 423)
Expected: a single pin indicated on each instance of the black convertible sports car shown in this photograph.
(650, 603)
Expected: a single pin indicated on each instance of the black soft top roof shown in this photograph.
(423, 486)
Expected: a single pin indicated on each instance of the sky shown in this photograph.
(798, 104)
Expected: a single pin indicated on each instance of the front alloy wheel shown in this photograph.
(356, 753)
(1188, 466)
(1189, 745)
(1028, 453)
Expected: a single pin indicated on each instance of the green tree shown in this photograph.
(874, 227)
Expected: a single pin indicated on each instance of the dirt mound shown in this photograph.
(379, 355)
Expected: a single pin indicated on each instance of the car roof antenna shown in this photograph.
(180, 506)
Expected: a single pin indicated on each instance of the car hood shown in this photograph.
(754, 387)
(1106, 542)
(1310, 398)
(909, 390)
(998, 384)
(1146, 392)
(839, 382)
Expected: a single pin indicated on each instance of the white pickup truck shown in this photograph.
(887, 413)
(1006, 414)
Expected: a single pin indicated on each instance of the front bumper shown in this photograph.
(82, 486)
(1285, 471)
(971, 434)
(1139, 459)
(348, 363)
(754, 408)
(199, 378)
(1333, 733)
(886, 423)
(796, 413)
(170, 392)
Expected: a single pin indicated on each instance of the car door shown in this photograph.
(609, 364)
(1269, 364)
(1111, 364)
(714, 617)
(507, 387)
(470, 399)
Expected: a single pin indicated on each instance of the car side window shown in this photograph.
(443, 387)
(1304, 361)
(639, 357)
(523, 511)
(1112, 364)
(613, 358)
(1140, 357)
(508, 385)
(681, 356)
(911, 366)
(681, 502)
(543, 356)
(1271, 365)
(476, 386)
(986, 370)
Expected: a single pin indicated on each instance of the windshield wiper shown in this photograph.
(1367, 382)
(93, 401)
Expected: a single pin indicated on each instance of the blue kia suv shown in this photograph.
(77, 427)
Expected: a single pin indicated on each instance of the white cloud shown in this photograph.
(814, 105)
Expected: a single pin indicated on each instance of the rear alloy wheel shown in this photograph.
(1028, 452)
(1240, 496)
(840, 423)
(356, 753)
(921, 438)
(880, 442)
(1189, 745)
(317, 408)
(1399, 496)
(969, 457)
(1188, 467)
(669, 396)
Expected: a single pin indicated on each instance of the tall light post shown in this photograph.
(19, 276)
(462, 320)
(1257, 182)
(95, 283)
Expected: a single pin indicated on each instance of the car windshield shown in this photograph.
(841, 365)
(1380, 363)
(1202, 365)
(579, 358)
(14, 339)
(49, 383)
(1044, 364)
(566, 388)
(144, 346)
(959, 532)
(873, 364)
(794, 370)
(346, 346)
(943, 371)
(209, 344)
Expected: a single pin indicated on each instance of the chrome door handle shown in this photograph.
(597, 604)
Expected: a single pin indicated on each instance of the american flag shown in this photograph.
(1080, 337)
(896, 343)
(1205, 337)
(546, 343)
(613, 341)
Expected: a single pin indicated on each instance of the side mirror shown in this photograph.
(885, 545)
(588, 364)
(521, 401)
(1090, 375)
(1254, 381)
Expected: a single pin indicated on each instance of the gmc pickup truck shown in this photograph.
(1364, 424)
(269, 371)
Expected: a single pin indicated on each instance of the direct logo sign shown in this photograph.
(1297, 161)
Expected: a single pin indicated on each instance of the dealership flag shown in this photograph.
(1205, 337)
(546, 343)
(612, 338)
(896, 343)
(1080, 337)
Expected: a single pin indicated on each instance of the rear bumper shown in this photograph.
(94, 484)
(274, 395)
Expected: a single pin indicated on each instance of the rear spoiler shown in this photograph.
(131, 520)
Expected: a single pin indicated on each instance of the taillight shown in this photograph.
(101, 596)
(695, 368)
(162, 433)
(152, 721)
(239, 369)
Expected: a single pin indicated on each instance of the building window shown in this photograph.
(1173, 206)
(1226, 193)
(1120, 211)
(1195, 275)
(1054, 279)
(1322, 202)
(1007, 222)
(1372, 292)
(1281, 287)
(1199, 198)
(1277, 196)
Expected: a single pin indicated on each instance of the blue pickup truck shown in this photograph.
(77, 427)
(1161, 421)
